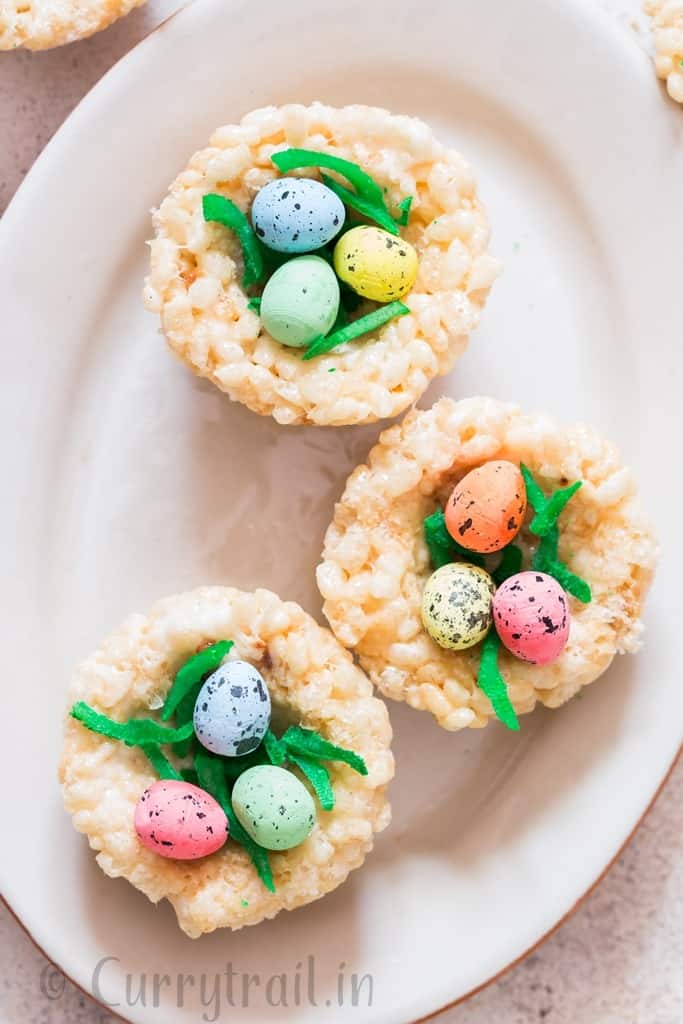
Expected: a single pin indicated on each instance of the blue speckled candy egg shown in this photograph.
(300, 301)
(273, 807)
(296, 214)
(232, 712)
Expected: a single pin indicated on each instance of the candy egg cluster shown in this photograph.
(232, 712)
(530, 610)
(180, 821)
(303, 220)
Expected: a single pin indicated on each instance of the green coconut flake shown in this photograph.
(255, 304)
(211, 775)
(534, 493)
(298, 740)
(363, 325)
(509, 565)
(161, 764)
(223, 211)
(192, 672)
(318, 776)
(185, 713)
(491, 682)
(544, 520)
(442, 548)
(545, 525)
(573, 584)
(290, 159)
(372, 211)
(274, 748)
(404, 207)
(136, 732)
(235, 766)
(189, 775)
(258, 854)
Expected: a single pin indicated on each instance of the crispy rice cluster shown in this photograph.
(41, 24)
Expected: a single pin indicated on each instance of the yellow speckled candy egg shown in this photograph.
(375, 264)
(457, 605)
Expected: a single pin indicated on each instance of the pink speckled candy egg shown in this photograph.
(531, 616)
(180, 821)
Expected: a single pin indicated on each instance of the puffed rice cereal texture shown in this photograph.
(196, 268)
(375, 561)
(42, 24)
(312, 681)
(667, 26)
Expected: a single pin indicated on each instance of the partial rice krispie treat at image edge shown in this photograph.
(667, 26)
(312, 682)
(41, 24)
(195, 281)
(376, 561)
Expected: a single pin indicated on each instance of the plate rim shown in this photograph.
(433, 1014)
(617, 853)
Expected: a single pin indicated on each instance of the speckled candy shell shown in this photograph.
(531, 614)
(232, 712)
(179, 820)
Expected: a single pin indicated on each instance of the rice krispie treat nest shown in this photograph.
(41, 24)
(312, 680)
(375, 562)
(667, 25)
(196, 267)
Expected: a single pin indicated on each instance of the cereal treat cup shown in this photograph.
(667, 25)
(376, 562)
(312, 681)
(196, 267)
(41, 24)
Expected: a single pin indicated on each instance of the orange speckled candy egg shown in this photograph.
(486, 509)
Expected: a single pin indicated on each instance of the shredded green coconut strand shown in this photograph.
(492, 683)
(223, 211)
(318, 776)
(545, 525)
(211, 775)
(509, 565)
(404, 207)
(289, 159)
(363, 325)
(192, 672)
(136, 732)
(364, 206)
(442, 548)
(161, 764)
(311, 744)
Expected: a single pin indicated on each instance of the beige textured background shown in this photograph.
(619, 959)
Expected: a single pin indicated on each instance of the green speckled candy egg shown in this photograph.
(300, 301)
(457, 605)
(273, 806)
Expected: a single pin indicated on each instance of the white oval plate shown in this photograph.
(126, 479)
